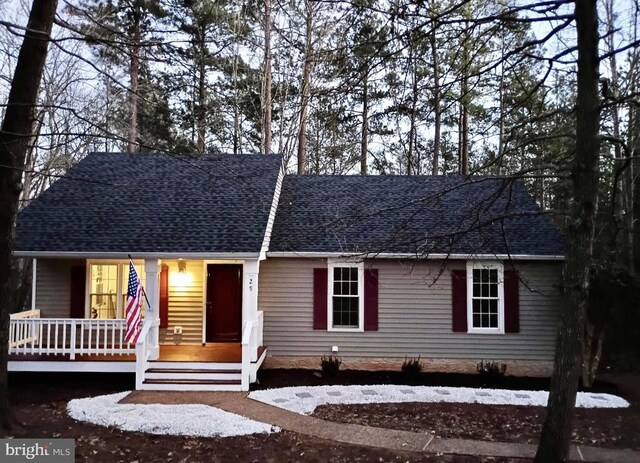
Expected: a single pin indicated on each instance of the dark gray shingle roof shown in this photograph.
(122, 202)
(417, 214)
(154, 203)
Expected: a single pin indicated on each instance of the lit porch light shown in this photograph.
(182, 278)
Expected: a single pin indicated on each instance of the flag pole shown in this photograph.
(144, 293)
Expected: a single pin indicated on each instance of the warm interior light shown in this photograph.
(182, 278)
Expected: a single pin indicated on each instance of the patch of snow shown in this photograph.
(304, 400)
(178, 420)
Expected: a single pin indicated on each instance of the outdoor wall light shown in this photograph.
(181, 278)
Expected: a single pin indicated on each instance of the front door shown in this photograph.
(224, 303)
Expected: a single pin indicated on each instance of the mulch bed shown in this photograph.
(268, 379)
(39, 402)
(614, 428)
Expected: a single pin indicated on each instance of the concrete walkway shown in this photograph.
(237, 402)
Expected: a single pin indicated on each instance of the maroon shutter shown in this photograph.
(77, 291)
(511, 302)
(459, 300)
(164, 296)
(371, 299)
(320, 298)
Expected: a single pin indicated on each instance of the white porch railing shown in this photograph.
(21, 334)
(251, 340)
(29, 334)
(25, 314)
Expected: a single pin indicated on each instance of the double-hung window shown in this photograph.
(108, 285)
(345, 296)
(485, 297)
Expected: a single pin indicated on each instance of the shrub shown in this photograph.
(411, 366)
(492, 371)
(330, 365)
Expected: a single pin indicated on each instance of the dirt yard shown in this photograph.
(614, 428)
(39, 403)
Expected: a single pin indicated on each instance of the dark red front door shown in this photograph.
(224, 303)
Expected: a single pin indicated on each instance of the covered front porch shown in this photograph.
(201, 327)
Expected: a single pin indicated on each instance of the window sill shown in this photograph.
(346, 330)
(485, 331)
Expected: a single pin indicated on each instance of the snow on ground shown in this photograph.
(304, 400)
(179, 420)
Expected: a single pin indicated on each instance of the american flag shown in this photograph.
(134, 306)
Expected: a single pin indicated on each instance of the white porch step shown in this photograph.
(192, 376)
(190, 385)
(171, 365)
(179, 374)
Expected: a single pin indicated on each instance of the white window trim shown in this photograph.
(120, 292)
(331, 264)
(471, 265)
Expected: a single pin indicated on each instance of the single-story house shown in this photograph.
(244, 265)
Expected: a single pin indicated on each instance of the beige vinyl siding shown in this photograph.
(185, 303)
(53, 286)
(414, 314)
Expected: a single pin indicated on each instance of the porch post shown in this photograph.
(250, 291)
(34, 274)
(152, 289)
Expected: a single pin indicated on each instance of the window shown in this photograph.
(108, 284)
(485, 297)
(346, 304)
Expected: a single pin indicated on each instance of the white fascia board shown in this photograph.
(272, 212)
(433, 256)
(138, 255)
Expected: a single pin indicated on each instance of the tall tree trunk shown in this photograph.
(364, 140)
(236, 129)
(30, 161)
(134, 77)
(412, 167)
(464, 105)
(631, 204)
(201, 108)
(464, 139)
(501, 115)
(437, 110)
(266, 92)
(283, 142)
(306, 88)
(636, 208)
(591, 352)
(236, 104)
(15, 134)
(556, 432)
(107, 112)
(633, 174)
(620, 240)
(540, 189)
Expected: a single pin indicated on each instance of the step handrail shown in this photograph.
(143, 352)
(25, 314)
(246, 354)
